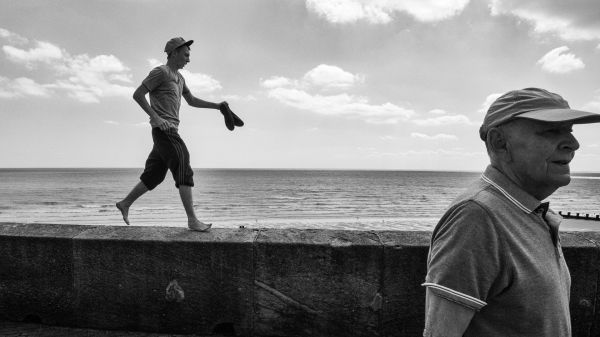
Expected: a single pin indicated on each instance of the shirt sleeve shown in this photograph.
(154, 79)
(465, 259)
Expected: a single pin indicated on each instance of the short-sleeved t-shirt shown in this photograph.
(497, 251)
(166, 87)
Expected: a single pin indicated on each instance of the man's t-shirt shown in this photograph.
(166, 87)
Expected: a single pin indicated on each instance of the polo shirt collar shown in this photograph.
(523, 200)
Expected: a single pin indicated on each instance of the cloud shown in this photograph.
(44, 52)
(246, 98)
(141, 124)
(488, 101)
(593, 105)
(326, 77)
(558, 61)
(444, 120)
(111, 122)
(82, 77)
(382, 11)
(13, 38)
(22, 87)
(152, 62)
(322, 77)
(440, 136)
(570, 20)
(196, 82)
(276, 82)
(306, 94)
(341, 105)
(438, 112)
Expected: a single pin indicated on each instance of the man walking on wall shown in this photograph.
(166, 86)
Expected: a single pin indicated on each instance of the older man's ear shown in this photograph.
(497, 145)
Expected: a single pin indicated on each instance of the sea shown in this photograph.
(258, 198)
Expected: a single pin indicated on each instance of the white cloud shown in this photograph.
(141, 125)
(300, 95)
(570, 20)
(326, 76)
(154, 62)
(321, 77)
(21, 87)
(246, 98)
(437, 112)
(444, 120)
(440, 136)
(558, 61)
(348, 11)
(111, 122)
(196, 82)
(276, 82)
(43, 52)
(381, 11)
(82, 77)
(488, 102)
(593, 105)
(11, 37)
(341, 105)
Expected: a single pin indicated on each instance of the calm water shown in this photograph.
(362, 200)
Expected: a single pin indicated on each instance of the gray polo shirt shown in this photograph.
(497, 251)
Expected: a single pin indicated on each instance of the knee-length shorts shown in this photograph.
(168, 153)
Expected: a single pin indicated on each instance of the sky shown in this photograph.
(331, 84)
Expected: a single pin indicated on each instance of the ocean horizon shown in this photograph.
(353, 199)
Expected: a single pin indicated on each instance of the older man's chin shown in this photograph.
(561, 174)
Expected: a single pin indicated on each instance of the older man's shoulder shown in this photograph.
(479, 192)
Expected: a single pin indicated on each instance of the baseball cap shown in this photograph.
(533, 103)
(175, 43)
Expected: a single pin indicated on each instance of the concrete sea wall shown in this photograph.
(239, 281)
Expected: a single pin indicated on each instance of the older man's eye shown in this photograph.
(557, 131)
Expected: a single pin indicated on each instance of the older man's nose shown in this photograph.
(570, 143)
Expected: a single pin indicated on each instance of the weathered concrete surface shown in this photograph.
(317, 283)
(251, 282)
(405, 266)
(36, 272)
(122, 274)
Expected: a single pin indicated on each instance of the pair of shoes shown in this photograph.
(231, 119)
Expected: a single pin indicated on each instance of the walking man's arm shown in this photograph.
(198, 103)
(140, 97)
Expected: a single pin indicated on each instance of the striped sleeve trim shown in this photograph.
(455, 296)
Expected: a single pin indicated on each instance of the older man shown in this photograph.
(495, 265)
(166, 86)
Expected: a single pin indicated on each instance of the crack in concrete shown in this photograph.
(286, 299)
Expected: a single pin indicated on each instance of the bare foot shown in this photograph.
(124, 211)
(197, 225)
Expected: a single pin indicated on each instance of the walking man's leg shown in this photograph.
(154, 173)
(185, 192)
(123, 205)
